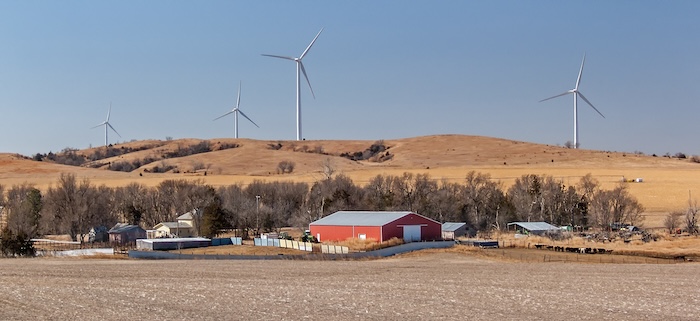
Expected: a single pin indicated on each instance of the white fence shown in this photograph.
(288, 244)
(334, 249)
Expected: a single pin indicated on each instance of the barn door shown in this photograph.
(411, 233)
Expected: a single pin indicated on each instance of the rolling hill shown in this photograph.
(666, 181)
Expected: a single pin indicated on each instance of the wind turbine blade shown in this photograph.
(109, 111)
(578, 80)
(248, 118)
(589, 103)
(311, 44)
(110, 126)
(238, 100)
(568, 92)
(226, 114)
(102, 124)
(282, 57)
(307, 78)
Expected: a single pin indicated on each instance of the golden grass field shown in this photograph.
(666, 187)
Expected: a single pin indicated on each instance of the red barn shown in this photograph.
(380, 226)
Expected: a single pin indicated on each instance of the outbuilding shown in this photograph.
(380, 226)
(453, 230)
(535, 228)
(123, 234)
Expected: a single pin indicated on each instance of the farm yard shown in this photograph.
(638, 281)
(423, 285)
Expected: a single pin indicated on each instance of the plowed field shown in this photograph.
(436, 286)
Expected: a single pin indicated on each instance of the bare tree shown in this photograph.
(445, 202)
(327, 168)
(588, 186)
(615, 206)
(131, 203)
(381, 193)
(2, 206)
(525, 195)
(74, 207)
(23, 206)
(335, 194)
(239, 208)
(482, 201)
(691, 217)
(673, 221)
(405, 187)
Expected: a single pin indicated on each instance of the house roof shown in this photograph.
(361, 218)
(535, 226)
(122, 227)
(186, 216)
(174, 225)
(452, 226)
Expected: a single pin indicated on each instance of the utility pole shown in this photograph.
(257, 214)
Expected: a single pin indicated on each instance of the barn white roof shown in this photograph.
(360, 218)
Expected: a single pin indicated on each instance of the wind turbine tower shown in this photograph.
(107, 126)
(235, 111)
(577, 93)
(300, 70)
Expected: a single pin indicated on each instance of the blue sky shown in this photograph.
(380, 70)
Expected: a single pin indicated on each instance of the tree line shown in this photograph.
(72, 206)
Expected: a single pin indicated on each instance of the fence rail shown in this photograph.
(287, 244)
(334, 249)
(386, 252)
(226, 241)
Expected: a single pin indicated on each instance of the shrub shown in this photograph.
(695, 159)
(121, 166)
(285, 167)
(272, 146)
(16, 244)
(223, 146)
(163, 167)
(679, 155)
(197, 165)
(375, 149)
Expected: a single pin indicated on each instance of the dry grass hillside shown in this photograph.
(667, 181)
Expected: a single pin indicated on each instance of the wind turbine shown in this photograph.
(576, 92)
(300, 70)
(235, 111)
(107, 124)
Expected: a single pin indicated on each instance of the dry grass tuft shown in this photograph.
(357, 245)
(667, 246)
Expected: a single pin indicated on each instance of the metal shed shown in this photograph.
(172, 243)
(123, 234)
(378, 225)
(536, 228)
(453, 230)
